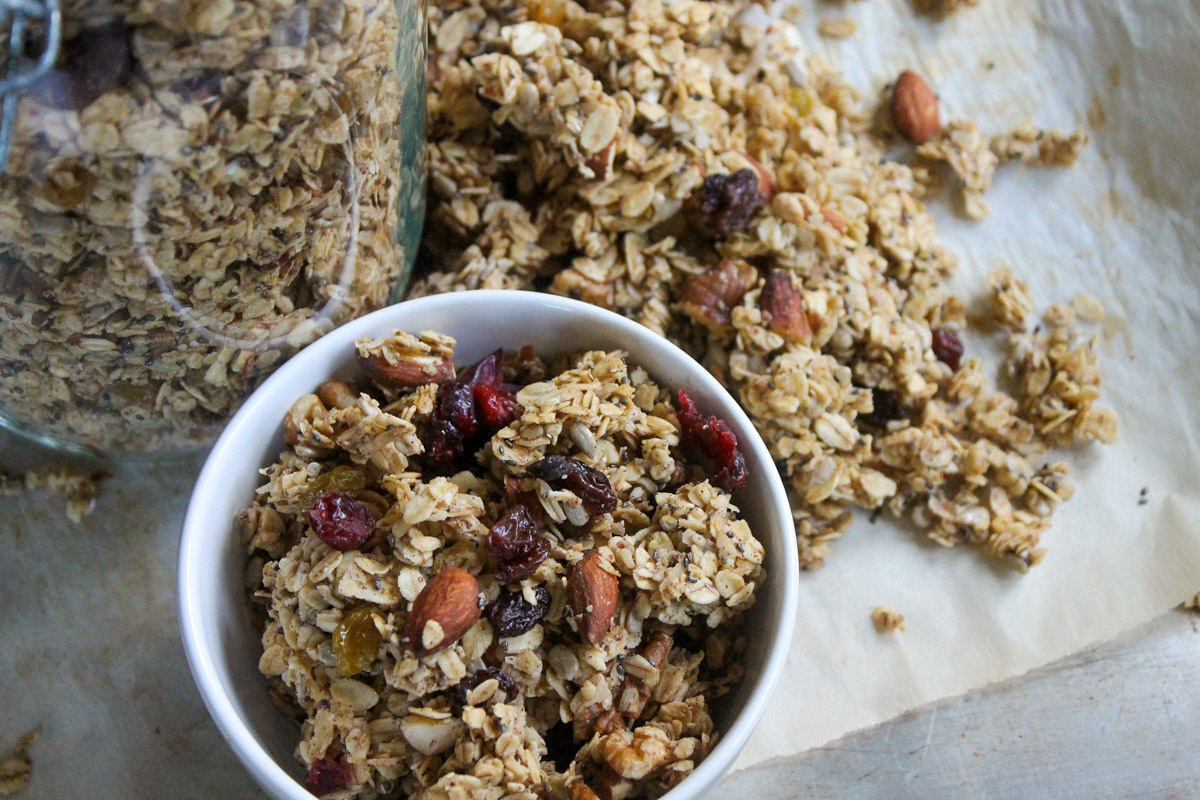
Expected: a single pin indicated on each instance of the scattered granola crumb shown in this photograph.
(942, 8)
(1047, 148)
(1088, 307)
(965, 150)
(1011, 302)
(887, 619)
(1193, 604)
(78, 489)
(1144, 496)
(836, 28)
(17, 768)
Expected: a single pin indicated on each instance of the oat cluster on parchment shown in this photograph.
(181, 224)
(403, 687)
(685, 164)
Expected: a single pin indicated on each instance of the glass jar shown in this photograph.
(194, 190)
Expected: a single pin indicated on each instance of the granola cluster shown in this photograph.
(546, 611)
(195, 191)
(684, 164)
(78, 489)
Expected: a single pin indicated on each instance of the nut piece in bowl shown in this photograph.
(520, 578)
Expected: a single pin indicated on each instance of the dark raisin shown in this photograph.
(512, 615)
(458, 692)
(326, 776)
(725, 204)
(340, 521)
(886, 408)
(589, 484)
(561, 746)
(92, 62)
(716, 441)
(948, 347)
(515, 543)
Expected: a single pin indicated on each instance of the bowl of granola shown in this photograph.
(488, 544)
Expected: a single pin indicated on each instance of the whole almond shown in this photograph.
(406, 373)
(915, 108)
(783, 307)
(592, 594)
(451, 601)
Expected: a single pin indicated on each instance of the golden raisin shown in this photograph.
(346, 479)
(356, 641)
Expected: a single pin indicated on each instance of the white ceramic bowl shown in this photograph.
(222, 646)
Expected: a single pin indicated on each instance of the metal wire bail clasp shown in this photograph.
(19, 71)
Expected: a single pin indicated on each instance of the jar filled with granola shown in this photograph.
(193, 190)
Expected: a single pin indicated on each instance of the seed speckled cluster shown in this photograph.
(578, 148)
(420, 661)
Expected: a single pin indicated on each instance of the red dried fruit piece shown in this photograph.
(725, 204)
(709, 297)
(716, 441)
(589, 484)
(515, 543)
(340, 521)
(948, 347)
(458, 692)
(496, 408)
(326, 776)
(455, 419)
(513, 615)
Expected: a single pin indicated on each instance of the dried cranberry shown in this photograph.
(512, 614)
(515, 543)
(725, 204)
(948, 347)
(91, 63)
(458, 692)
(496, 407)
(456, 417)
(326, 776)
(340, 521)
(589, 484)
(886, 408)
(716, 441)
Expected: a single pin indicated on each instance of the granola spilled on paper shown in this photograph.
(684, 163)
(195, 191)
(78, 489)
(518, 579)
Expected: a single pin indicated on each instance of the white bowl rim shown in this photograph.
(270, 774)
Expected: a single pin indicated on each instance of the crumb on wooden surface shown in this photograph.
(17, 767)
(78, 489)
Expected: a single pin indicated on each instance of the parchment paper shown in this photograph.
(1121, 224)
(89, 648)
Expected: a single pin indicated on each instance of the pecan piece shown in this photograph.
(709, 298)
(592, 594)
(655, 651)
(783, 307)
